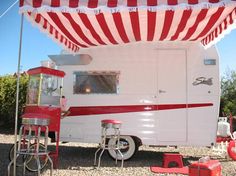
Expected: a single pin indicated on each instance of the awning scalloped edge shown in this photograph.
(45, 31)
(207, 44)
(105, 9)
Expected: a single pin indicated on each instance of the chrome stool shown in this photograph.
(110, 131)
(33, 133)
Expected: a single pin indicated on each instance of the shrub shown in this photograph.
(228, 93)
(8, 97)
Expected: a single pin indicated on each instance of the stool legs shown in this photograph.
(115, 146)
(32, 149)
(95, 158)
(50, 160)
(99, 159)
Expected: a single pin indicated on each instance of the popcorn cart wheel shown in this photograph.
(20, 160)
(31, 162)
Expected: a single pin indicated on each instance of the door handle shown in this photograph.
(162, 91)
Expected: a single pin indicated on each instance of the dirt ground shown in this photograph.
(77, 159)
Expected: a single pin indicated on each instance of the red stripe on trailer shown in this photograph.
(96, 110)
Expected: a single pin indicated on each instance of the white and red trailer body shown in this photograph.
(167, 88)
(168, 94)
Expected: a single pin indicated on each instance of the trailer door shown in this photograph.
(171, 96)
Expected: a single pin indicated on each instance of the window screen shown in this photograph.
(96, 82)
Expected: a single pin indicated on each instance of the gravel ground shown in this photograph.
(77, 159)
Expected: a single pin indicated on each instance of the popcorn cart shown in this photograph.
(43, 102)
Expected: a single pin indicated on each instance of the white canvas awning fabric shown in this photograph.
(80, 24)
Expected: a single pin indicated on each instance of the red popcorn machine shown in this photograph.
(42, 103)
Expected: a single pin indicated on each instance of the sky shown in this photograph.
(36, 46)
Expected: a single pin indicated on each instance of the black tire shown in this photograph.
(128, 147)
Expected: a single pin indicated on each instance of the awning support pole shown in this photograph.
(17, 92)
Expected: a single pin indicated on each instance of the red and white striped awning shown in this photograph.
(87, 23)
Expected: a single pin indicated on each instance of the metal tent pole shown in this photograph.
(17, 91)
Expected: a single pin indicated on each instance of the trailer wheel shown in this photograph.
(232, 150)
(128, 147)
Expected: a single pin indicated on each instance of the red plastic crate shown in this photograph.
(207, 168)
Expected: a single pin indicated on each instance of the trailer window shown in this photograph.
(96, 82)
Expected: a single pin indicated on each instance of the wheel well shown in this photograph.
(137, 141)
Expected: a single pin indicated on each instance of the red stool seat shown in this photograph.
(111, 121)
(172, 157)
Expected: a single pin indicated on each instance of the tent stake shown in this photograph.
(17, 92)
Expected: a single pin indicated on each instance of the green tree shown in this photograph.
(228, 93)
(8, 97)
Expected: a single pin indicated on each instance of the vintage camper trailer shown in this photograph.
(140, 62)
(165, 93)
